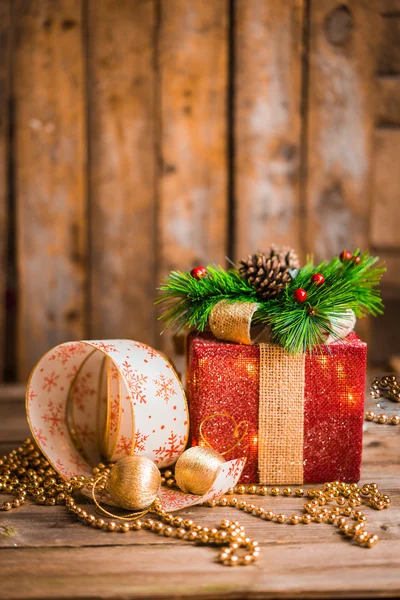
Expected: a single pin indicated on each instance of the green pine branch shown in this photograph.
(297, 326)
(188, 302)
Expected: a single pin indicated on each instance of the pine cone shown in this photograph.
(269, 273)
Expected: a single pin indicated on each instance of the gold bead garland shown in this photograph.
(389, 385)
(26, 472)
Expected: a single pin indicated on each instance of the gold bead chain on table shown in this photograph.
(26, 472)
(391, 387)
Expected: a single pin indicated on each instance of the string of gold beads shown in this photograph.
(230, 534)
(26, 472)
(389, 386)
(347, 497)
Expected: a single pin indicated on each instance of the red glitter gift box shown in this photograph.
(297, 419)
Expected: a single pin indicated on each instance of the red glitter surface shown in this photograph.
(223, 391)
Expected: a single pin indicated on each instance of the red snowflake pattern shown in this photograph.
(114, 373)
(174, 447)
(62, 469)
(73, 372)
(83, 390)
(175, 500)
(85, 434)
(31, 395)
(77, 461)
(215, 494)
(65, 352)
(54, 417)
(106, 347)
(234, 470)
(136, 382)
(140, 440)
(40, 438)
(124, 445)
(50, 382)
(165, 387)
(114, 415)
(151, 353)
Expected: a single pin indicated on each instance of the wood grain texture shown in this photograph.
(267, 122)
(342, 57)
(192, 60)
(50, 175)
(45, 553)
(122, 172)
(389, 47)
(391, 279)
(385, 216)
(389, 7)
(388, 102)
(5, 71)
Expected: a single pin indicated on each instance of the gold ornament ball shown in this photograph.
(196, 469)
(134, 482)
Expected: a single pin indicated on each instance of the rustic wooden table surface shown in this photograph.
(46, 553)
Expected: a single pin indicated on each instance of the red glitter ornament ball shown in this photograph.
(198, 272)
(318, 279)
(345, 256)
(300, 295)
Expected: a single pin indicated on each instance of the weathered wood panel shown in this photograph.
(267, 123)
(342, 56)
(122, 171)
(391, 279)
(385, 213)
(50, 175)
(389, 47)
(193, 76)
(388, 102)
(178, 571)
(5, 71)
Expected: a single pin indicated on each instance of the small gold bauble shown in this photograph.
(196, 469)
(134, 482)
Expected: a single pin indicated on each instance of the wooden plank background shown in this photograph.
(138, 136)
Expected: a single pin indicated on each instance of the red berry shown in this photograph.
(198, 272)
(356, 260)
(318, 279)
(300, 295)
(345, 256)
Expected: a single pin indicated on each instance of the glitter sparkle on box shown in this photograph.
(224, 399)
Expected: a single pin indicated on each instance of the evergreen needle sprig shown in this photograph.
(348, 286)
(188, 301)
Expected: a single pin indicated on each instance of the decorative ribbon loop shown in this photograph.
(231, 321)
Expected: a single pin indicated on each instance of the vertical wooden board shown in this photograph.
(389, 47)
(122, 171)
(385, 213)
(5, 37)
(50, 175)
(193, 51)
(388, 102)
(342, 62)
(267, 123)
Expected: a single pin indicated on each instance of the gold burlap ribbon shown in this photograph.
(280, 416)
(232, 321)
(281, 395)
